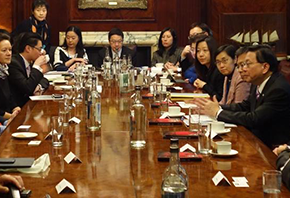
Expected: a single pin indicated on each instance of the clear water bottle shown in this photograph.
(138, 122)
(107, 62)
(174, 185)
(88, 85)
(94, 108)
(174, 142)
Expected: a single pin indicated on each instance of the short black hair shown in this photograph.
(161, 48)
(195, 38)
(228, 49)
(241, 50)
(24, 39)
(203, 26)
(3, 31)
(116, 31)
(264, 54)
(39, 3)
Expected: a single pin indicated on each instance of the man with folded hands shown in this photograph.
(266, 112)
(27, 68)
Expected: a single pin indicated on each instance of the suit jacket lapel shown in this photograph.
(266, 88)
(22, 64)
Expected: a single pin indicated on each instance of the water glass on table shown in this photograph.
(194, 118)
(272, 180)
(64, 112)
(204, 139)
(56, 131)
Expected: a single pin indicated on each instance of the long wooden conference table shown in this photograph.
(110, 168)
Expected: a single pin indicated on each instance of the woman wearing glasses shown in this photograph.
(71, 52)
(167, 52)
(235, 89)
(209, 79)
(8, 107)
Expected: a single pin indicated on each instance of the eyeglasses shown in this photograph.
(241, 65)
(223, 61)
(248, 63)
(40, 49)
(116, 41)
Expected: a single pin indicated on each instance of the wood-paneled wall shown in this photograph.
(6, 14)
(259, 11)
(178, 14)
(160, 14)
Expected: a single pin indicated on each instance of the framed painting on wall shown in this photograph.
(112, 4)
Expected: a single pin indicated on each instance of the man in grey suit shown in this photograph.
(267, 110)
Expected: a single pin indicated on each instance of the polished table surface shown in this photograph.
(110, 168)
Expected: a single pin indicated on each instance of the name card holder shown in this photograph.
(71, 157)
(187, 147)
(75, 120)
(65, 187)
(220, 179)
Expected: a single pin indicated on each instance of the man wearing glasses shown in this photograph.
(27, 68)
(267, 110)
(116, 48)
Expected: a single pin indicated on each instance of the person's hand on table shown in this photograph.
(170, 65)
(207, 106)
(279, 149)
(71, 68)
(6, 180)
(199, 83)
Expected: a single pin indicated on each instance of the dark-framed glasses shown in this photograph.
(223, 61)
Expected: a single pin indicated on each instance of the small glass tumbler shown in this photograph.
(272, 180)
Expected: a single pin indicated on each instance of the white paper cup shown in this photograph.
(174, 110)
(218, 126)
(164, 81)
(224, 147)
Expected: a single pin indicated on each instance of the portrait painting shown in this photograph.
(112, 4)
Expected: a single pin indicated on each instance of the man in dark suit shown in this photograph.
(27, 67)
(116, 48)
(267, 110)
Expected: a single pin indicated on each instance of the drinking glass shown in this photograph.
(272, 180)
(194, 118)
(64, 112)
(204, 140)
(56, 131)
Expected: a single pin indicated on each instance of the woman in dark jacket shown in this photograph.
(209, 79)
(8, 108)
(36, 23)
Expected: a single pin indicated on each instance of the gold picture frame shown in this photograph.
(112, 4)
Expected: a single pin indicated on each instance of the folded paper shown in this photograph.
(40, 165)
(71, 157)
(65, 186)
